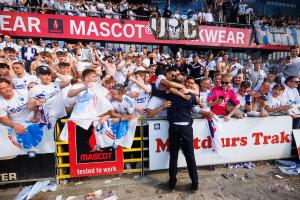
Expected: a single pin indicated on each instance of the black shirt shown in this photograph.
(180, 110)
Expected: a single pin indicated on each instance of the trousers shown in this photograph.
(181, 137)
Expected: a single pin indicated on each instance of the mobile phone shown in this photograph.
(247, 99)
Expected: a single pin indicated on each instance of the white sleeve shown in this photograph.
(79, 66)
(129, 105)
(159, 78)
(196, 109)
(33, 91)
(3, 111)
(269, 101)
(154, 103)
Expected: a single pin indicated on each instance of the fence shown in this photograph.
(265, 138)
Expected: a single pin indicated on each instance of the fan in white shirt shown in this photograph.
(290, 95)
(123, 105)
(48, 95)
(22, 79)
(274, 105)
(13, 107)
(140, 90)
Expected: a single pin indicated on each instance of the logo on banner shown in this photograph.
(28, 140)
(157, 126)
(174, 29)
(55, 26)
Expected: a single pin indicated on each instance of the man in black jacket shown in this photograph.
(181, 136)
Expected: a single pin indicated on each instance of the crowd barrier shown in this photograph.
(249, 139)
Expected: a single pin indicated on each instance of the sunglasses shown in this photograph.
(224, 83)
(296, 82)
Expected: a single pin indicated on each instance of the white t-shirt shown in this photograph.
(142, 100)
(209, 17)
(273, 102)
(295, 60)
(256, 77)
(203, 99)
(121, 75)
(290, 96)
(125, 107)
(211, 65)
(242, 9)
(20, 84)
(82, 66)
(54, 105)
(158, 80)
(16, 108)
(66, 89)
(156, 102)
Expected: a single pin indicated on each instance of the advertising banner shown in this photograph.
(296, 134)
(23, 168)
(242, 140)
(38, 139)
(113, 30)
(280, 36)
(86, 160)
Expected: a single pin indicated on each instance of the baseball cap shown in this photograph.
(43, 70)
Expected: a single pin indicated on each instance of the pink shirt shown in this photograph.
(229, 96)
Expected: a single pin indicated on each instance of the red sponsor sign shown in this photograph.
(85, 160)
(88, 28)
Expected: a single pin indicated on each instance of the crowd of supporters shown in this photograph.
(213, 11)
(137, 83)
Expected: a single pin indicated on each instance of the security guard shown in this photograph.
(181, 135)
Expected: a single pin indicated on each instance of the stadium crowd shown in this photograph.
(214, 11)
(138, 83)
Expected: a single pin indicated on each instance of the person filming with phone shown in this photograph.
(223, 100)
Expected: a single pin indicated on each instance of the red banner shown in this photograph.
(85, 160)
(88, 28)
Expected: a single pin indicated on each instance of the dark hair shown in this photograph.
(189, 78)
(63, 64)
(4, 80)
(4, 65)
(288, 79)
(74, 81)
(170, 69)
(18, 63)
(9, 49)
(294, 47)
(87, 72)
(245, 84)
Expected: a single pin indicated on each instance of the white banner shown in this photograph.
(296, 133)
(242, 140)
(38, 138)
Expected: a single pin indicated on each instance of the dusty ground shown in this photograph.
(260, 183)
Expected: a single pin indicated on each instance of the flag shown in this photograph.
(38, 138)
(115, 134)
(215, 129)
(90, 106)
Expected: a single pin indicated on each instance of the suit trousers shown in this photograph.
(181, 137)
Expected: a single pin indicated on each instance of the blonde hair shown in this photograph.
(226, 76)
